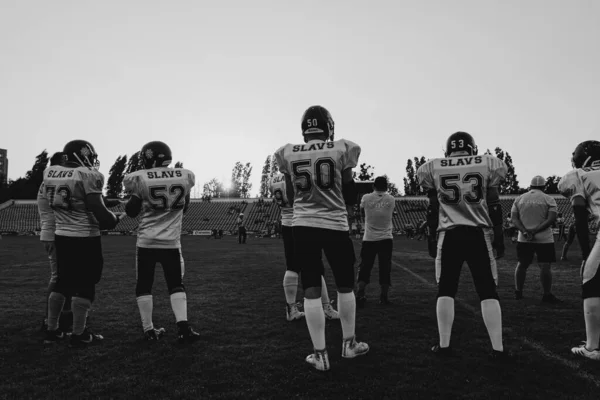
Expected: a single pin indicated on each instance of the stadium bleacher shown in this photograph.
(21, 216)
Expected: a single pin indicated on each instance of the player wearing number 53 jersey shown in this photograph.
(162, 195)
(290, 279)
(582, 187)
(464, 207)
(74, 191)
(319, 185)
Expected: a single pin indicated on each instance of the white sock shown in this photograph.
(80, 306)
(492, 317)
(591, 314)
(315, 320)
(347, 312)
(324, 294)
(145, 306)
(445, 319)
(290, 286)
(179, 306)
(56, 301)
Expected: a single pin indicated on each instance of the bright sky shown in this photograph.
(222, 81)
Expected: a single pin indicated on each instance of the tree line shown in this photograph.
(239, 185)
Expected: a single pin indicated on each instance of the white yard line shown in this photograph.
(531, 343)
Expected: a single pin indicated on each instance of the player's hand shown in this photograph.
(119, 215)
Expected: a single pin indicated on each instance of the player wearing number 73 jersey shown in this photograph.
(464, 206)
(319, 186)
(162, 195)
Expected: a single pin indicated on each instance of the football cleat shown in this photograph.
(584, 352)
(441, 351)
(501, 356)
(86, 337)
(351, 348)
(54, 336)
(292, 312)
(550, 298)
(319, 360)
(330, 312)
(187, 335)
(154, 334)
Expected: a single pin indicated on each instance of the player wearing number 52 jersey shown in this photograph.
(464, 206)
(582, 187)
(290, 279)
(74, 191)
(162, 195)
(319, 185)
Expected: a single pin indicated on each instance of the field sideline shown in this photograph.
(248, 350)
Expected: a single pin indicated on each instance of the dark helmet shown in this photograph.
(586, 154)
(155, 154)
(57, 158)
(316, 120)
(82, 153)
(461, 142)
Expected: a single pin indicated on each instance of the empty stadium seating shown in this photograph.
(22, 215)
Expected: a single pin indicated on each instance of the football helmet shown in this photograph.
(57, 158)
(460, 144)
(317, 119)
(82, 153)
(586, 154)
(155, 154)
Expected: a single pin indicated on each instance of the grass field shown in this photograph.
(248, 350)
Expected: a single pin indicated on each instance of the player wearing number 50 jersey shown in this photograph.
(582, 187)
(319, 185)
(290, 279)
(74, 191)
(464, 206)
(162, 195)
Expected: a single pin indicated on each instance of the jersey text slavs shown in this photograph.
(164, 174)
(313, 146)
(458, 162)
(60, 174)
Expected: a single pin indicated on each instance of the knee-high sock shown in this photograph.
(179, 306)
(80, 307)
(324, 294)
(347, 312)
(445, 319)
(591, 313)
(56, 302)
(145, 306)
(492, 317)
(315, 320)
(290, 286)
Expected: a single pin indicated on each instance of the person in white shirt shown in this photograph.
(533, 213)
(378, 208)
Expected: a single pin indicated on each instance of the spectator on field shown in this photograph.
(560, 225)
(533, 213)
(241, 229)
(569, 241)
(377, 240)
(409, 229)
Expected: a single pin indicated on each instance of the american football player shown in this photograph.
(47, 228)
(162, 195)
(74, 191)
(319, 185)
(464, 206)
(582, 187)
(290, 279)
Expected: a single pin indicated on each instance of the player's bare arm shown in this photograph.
(433, 215)
(187, 203)
(106, 218)
(581, 224)
(133, 206)
(495, 210)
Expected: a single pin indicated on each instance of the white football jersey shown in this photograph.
(316, 170)
(462, 184)
(66, 190)
(583, 182)
(279, 193)
(162, 191)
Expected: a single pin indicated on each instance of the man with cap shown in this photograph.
(533, 213)
(378, 208)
